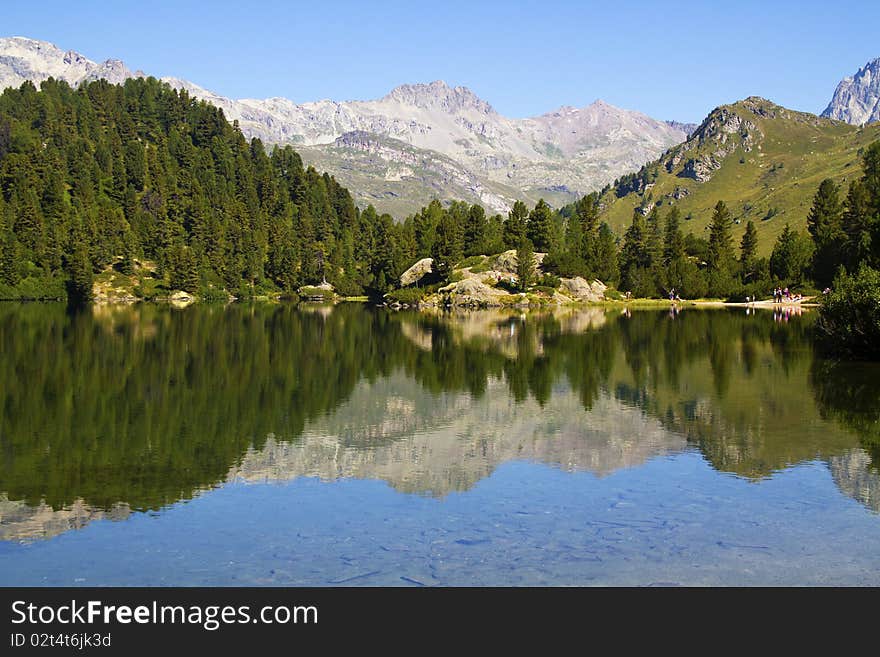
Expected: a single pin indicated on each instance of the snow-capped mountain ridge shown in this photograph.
(482, 155)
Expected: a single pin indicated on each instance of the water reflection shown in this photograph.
(132, 409)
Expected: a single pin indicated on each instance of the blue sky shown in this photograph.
(669, 60)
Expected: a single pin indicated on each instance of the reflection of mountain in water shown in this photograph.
(135, 409)
(23, 522)
(856, 477)
(419, 443)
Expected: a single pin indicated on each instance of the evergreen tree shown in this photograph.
(540, 226)
(515, 226)
(857, 224)
(606, 264)
(525, 265)
(791, 257)
(673, 240)
(587, 214)
(183, 271)
(426, 223)
(654, 238)
(720, 259)
(81, 276)
(825, 225)
(635, 259)
(9, 261)
(748, 248)
(383, 265)
(720, 241)
(494, 241)
(447, 247)
(475, 231)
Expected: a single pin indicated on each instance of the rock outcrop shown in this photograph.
(579, 289)
(473, 293)
(417, 272)
(857, 98)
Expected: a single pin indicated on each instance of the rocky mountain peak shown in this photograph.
(857, 98)
(439, 95)
(418, 142)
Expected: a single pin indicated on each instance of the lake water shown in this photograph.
(283, 445)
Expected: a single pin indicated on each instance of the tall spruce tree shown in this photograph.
(540, 226)
(606, 267)
(791, 257)
(720, 240)
(447, 247)
(515, 225)
(673, 239)
(475, 231)
(825, 225)
(748, 252)
(525, 264)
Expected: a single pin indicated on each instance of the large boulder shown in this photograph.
(473, 292)
(506, 262)
(418, 271)
(317, 292)
(580, 290)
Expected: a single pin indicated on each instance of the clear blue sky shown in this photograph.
(669, 60)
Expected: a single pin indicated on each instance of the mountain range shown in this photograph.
(425, 141)
(418, 142)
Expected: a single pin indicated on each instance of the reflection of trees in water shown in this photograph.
(145, 405)
(849, 394)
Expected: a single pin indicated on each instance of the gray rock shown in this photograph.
(579, 289)
(857, 98)
(415, 273)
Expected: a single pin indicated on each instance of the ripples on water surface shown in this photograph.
(313, 446)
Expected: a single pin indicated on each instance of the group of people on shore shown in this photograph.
(781, 295)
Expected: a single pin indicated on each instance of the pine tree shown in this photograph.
(673, 240)
(525, 265)
(80, 272)
(9, 261)
(748, 248)
(635, 258)
(654, 238)
(606, 267)
(791, 257)
(475, 231)
(426, 223)
(183, 271)
(515, 225)
(825, 224)
(858, 226)
(540, 226)
(447, 247)
(587, 214)
(720, 240)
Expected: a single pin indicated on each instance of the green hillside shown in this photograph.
(764, 161)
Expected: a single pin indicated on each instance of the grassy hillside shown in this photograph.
(764, 161)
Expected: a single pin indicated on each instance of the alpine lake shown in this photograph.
(312, 445)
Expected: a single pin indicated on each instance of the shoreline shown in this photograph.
(645, 303)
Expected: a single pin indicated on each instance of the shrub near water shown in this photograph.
(849, 321)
